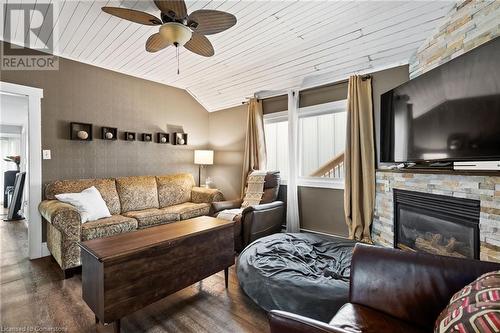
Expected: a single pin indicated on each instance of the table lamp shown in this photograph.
(202, 158)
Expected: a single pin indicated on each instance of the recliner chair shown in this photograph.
(256, 221)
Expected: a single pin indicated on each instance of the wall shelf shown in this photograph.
(81, 131)
(130, 136)
(147, 137)
(180, 139)
(109, 133)
(162, 138)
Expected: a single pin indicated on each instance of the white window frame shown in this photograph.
(317, 110)
(277, 117)
(314, 110)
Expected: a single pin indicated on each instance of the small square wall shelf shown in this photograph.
(162, 138)
(130, 136)
(109, 133)
(180, 139)
(81, 131)
(147, 137)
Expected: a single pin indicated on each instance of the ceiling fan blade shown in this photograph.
(211, 21)
(177, 7)
(200, 44)
(156, 43)
(132, 15)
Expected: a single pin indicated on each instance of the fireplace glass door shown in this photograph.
(434, 224)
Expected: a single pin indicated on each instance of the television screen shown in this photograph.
(451, 113)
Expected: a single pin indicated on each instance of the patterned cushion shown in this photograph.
(106, 187)
(137, 193)
(153, 216)
(174, 189)
(108, 226)
(475, 308)
(188, 210)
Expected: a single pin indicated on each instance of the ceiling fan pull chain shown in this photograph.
(177, 51)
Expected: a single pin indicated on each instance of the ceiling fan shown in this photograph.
(177, 27)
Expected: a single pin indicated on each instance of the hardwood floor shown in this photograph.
(34, 295)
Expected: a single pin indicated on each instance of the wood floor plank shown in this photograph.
(34, 294)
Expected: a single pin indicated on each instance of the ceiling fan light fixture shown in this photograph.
(176, 33)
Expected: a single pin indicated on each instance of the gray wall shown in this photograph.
(84, 93)
(322, 210)
(382, 82)
(227, 130)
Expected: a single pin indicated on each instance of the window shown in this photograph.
(276, 131)
(322, 131)
(321, 138)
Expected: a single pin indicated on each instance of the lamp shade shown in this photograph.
(175, 33)
(204, 157)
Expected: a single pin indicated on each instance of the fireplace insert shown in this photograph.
(436, 224)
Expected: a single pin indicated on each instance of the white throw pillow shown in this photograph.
(89, 203)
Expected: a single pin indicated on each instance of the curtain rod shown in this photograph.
(248, 99)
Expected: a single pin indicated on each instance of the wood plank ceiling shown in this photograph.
(275, 44)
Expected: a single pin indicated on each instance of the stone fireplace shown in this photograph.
(481, 190)
(467, 25)
(436, 224)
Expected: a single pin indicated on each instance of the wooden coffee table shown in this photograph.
(124, 273)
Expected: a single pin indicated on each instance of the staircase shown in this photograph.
(333, 168)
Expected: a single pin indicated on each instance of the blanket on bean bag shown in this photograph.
(303, 273)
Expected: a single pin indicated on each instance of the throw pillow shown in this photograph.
(89, 203)
(475, 308)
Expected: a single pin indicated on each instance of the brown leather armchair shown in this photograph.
(256, 221)
(391, 291)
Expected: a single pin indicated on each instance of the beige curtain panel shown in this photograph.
(359, 163)
(255, 143)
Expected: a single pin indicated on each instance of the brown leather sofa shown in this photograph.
(391, 291)
(256, 221)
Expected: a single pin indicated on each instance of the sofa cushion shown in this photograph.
(361, 319)
(108, 226)
(137, 193)
(188, 210)
(174, 189)
(153, 216)
(106, 187)
(474, 308)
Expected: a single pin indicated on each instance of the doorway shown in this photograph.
(14, 152)
(20, 133)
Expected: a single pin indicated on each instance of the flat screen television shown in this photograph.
(451, 113)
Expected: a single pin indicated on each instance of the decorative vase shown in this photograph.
(109, 135)
(180, 141)
(163, 140)
(130, 137)
(82, 135)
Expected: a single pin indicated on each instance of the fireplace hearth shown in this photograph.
(436, 224)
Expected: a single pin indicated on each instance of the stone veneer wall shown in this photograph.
(483, 188)
(469, 24)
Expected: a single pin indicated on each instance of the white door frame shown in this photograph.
(34, 95)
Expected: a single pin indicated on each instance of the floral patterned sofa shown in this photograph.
(134, 202)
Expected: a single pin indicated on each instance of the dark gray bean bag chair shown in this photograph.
(303, 273)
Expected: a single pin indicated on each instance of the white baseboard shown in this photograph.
(45, 250)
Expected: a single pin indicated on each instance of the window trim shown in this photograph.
(276, 117)
(309, 111)
(321, 109)
(318, 110)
